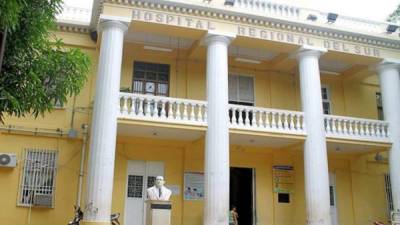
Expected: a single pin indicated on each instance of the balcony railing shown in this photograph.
(356, 128)
(193, 112)
(163, 109)
(265, 119)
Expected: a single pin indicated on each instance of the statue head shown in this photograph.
(159, 181)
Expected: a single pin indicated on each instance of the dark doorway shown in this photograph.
(241, 193)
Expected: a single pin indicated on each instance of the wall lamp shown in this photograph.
(391, 28)
(312, 17)
(229, 2)
(332, 17)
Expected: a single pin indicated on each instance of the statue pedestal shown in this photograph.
(158, 212)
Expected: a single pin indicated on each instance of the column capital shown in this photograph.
(218, 36)
(106, 21)
(388, 63)
(308, 50)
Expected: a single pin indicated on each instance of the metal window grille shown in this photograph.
(37, 187)
(326, 103)
(135, 186)
(150, 78)
(150, 181)
(379, 105)
(331, 195)
(389, 198)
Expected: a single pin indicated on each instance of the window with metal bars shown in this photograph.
(150, 78)
(37, 187)
(326, 102)
(135, 186)
(389, 198)
(379, 106)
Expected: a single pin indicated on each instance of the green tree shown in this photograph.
(394, 16)
(37, 70)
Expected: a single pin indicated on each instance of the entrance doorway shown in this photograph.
(241, 194)
(140, 176)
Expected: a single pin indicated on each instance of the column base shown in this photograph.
(95, 223)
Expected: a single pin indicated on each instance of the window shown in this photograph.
(388, 191)
(38, 178)
(241, 90)
(150, 78)
(326, 103)
(283, 197)
(58, 104)
(135, 186)
(379, 105)
(331, 195)
(151, 181)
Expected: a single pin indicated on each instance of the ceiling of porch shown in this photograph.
(267, 56)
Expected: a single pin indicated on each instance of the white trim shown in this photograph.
(237, 15)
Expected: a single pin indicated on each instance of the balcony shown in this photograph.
(178, 111)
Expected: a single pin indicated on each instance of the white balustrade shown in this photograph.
(163, 109)
(356, 128)
(269, 8)
(74, 15)
(194, 112)
(264, 119)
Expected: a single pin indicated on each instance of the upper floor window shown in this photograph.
(379, 106)
(326, 102)
(150, 78)
(241, 90)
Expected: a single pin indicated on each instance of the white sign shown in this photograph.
(194, 186)
(175, 189)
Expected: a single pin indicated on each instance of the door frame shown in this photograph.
(145, 184)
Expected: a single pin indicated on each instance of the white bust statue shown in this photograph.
(159, 191)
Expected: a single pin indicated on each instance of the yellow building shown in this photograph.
(275, 109)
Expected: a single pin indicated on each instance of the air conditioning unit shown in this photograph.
(43, 200)
(8, 160)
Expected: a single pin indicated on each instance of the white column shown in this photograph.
(100, 176)
(390, 88)
(315, 154)
(216, 204)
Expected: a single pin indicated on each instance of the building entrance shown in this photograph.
(140, 176)
(242, 191)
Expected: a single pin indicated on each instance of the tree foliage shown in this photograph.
(37, 69)
(394, 17)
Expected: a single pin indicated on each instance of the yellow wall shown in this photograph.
(66, 183)
(356, 201)
(281, 90)
(360, 187)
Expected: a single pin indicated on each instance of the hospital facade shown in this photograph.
(289, 114)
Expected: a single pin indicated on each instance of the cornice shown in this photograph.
(73, 28)
(254, 19)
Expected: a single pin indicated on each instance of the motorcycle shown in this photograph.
(79, 216)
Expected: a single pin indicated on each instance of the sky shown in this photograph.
(376, 10)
